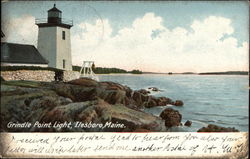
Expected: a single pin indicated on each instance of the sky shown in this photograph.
(160, 36)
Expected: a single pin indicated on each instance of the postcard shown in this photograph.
(123, 79)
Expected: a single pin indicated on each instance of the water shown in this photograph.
(208, 99)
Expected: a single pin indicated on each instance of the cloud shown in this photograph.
(215, 27)
(20, 30)
(150, 46)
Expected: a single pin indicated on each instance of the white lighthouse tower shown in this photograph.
(54, 39)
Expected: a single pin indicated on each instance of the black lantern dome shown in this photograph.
(54, 19)
(54, 15)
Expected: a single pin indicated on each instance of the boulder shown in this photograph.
(188, 123)
(144, 98)
(113, 96)
(82, 100)
(152, 102)
(116, 86)
(144, 91)
(178, 103)
(77, 93)
(112, 86)
(26, 105)
(99, 111)
(154, 89)
(162, 101)
(83, 89)
(216, 128)
(57, 102)
(138, 98)
(172, 117)
(87, 82)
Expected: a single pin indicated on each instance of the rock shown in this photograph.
(137, 97)
(116, 86)
(81, 93)
(172, 103)
(99, 111)
(172, 117)
(82, 100)
(87, 82)
(1, 78)
(188, 123)
(154, 89)
(152, 102)
(113, 96)
(149, 101)
(27, 105)
(216, 128)
(77, 93)
(162, 101)
(58, 102)
(81, 90)
(85, 89)
(144, 91)
(178, 103)
(156, 101)
(144, 98)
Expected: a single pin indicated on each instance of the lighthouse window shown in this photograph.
(64, 63)
(54, 14)
(63, 35)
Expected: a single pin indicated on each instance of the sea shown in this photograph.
(208, 99)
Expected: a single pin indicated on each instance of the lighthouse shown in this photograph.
(54, 39)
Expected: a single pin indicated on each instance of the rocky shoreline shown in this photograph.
(85, 105)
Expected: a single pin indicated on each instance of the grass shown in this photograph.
(22, 83)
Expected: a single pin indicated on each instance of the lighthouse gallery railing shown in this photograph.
(45, 20)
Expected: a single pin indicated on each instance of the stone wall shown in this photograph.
(70, 75)
(38, 75)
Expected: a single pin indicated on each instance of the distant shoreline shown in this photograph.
(225, 73)
(109, 71)
(204, 73)
(174, 74)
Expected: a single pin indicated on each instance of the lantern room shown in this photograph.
(54, 15)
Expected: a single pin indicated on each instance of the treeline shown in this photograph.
(225, 73)
(101, 70)
(135, 72)
(104, 70)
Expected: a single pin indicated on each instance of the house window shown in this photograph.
(63, 35)
(64, 63)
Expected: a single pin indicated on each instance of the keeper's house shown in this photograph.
(13, 54)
